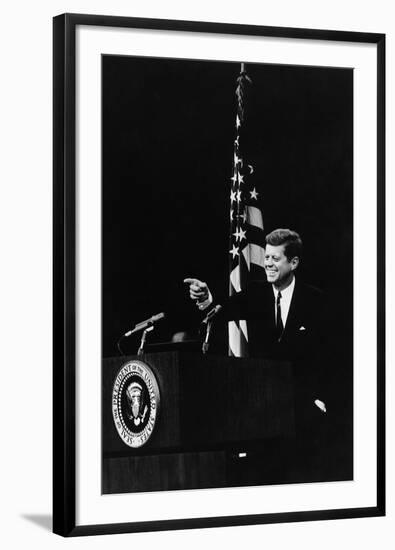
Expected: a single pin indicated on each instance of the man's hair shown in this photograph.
(291, 240)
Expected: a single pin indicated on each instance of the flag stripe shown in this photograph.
(237, 340)
(257, 254)
(243, 327)
(254, 216)
(254, 254)
(234, 339)
(247, 256)
(255, 235)
(235, 278)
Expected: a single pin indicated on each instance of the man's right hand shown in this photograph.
(199, 292)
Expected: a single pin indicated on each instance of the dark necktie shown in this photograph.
(279, 321)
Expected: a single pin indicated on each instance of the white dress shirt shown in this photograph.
(285, 302)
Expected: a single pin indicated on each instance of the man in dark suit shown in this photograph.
(286, 320)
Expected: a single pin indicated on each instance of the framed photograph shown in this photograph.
(219, 275)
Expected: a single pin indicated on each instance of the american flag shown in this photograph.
(246, 240)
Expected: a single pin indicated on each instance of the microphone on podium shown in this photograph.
(145, 324)
(211, 314)
(208, 321)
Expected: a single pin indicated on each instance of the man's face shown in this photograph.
(279, 270)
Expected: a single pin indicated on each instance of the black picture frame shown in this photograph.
(64, 272)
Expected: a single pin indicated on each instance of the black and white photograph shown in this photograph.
(219, 275)
(227, 274)
(197, 266)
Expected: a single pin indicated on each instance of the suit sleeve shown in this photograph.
(235, 307)
(242, 305)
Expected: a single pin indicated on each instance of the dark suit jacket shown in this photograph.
(304, 338)
(318, 354)
(304, 330)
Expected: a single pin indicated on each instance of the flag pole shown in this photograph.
(246, 222)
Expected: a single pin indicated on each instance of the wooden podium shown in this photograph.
(222, 422)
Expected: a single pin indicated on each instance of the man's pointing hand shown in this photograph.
(199, 292)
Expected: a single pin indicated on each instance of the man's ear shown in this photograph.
(294, 262)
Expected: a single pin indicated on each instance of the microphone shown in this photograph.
(208, 320)
(212, 313)
(144, 324)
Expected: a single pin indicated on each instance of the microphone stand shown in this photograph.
(143, 340)
(146, 326)
(208, 321)
(205, 344)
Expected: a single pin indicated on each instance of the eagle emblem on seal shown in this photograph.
(135, 403)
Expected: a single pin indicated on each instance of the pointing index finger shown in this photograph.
(190, 281)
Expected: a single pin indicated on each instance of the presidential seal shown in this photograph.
(135, 403)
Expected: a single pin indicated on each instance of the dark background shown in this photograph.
(168, 131)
